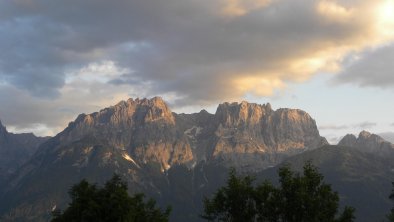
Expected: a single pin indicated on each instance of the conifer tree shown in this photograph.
(299, 198)
(108, 204)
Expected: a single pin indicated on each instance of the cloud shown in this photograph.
(26, 113)
(333, 127)
(365, 125)
(374, 68)
(197, 52)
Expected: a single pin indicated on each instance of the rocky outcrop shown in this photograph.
(245, 135)
(367, 142)
(254, 136)
(146, 143)
(144, 128)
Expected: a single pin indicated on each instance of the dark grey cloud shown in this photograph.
(195, 51)
(374, 68)
(188, 47)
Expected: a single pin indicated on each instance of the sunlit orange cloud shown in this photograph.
(261, 86)
(241, 7)
(373, 24)
(334, 11)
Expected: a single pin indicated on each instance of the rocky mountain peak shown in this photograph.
(294, 115)
(245, 135)
(290, 128)
(234, 114)
(246, 131)
(365, 134)
(348, 140)
(145, 110)
(367, 142)
(369, 138)
(127, 113)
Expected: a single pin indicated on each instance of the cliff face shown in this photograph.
(245, 135)
(155, 149)
(254, 136)
(367, 142)
(145, 129)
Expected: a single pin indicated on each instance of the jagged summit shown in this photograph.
(230, 114)
(348, 140)
(142, 140)
(126, 112)
(367, 142)
(245, 135)
(365, 134)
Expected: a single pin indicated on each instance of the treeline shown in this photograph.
(298, 198)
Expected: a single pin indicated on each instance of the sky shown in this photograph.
(331, 58)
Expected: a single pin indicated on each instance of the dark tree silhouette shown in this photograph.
(232, 203)
(299, 198)
(110, 203)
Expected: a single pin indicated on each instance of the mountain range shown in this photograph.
(179, 158)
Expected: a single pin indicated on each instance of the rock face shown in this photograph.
(253, 136)
(145, 129)
(16, 149)
(367, 142)
(245, 135)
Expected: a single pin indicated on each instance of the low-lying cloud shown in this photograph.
(366, 125)
(333, 127)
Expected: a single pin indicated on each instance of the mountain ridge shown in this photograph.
(179, 158)
(143, 141)
(15, 150)
(144, 126)
(367, 142)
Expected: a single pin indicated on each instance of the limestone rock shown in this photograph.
(246, 135)
(254, 137)
(367, 142)
(145, 128)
